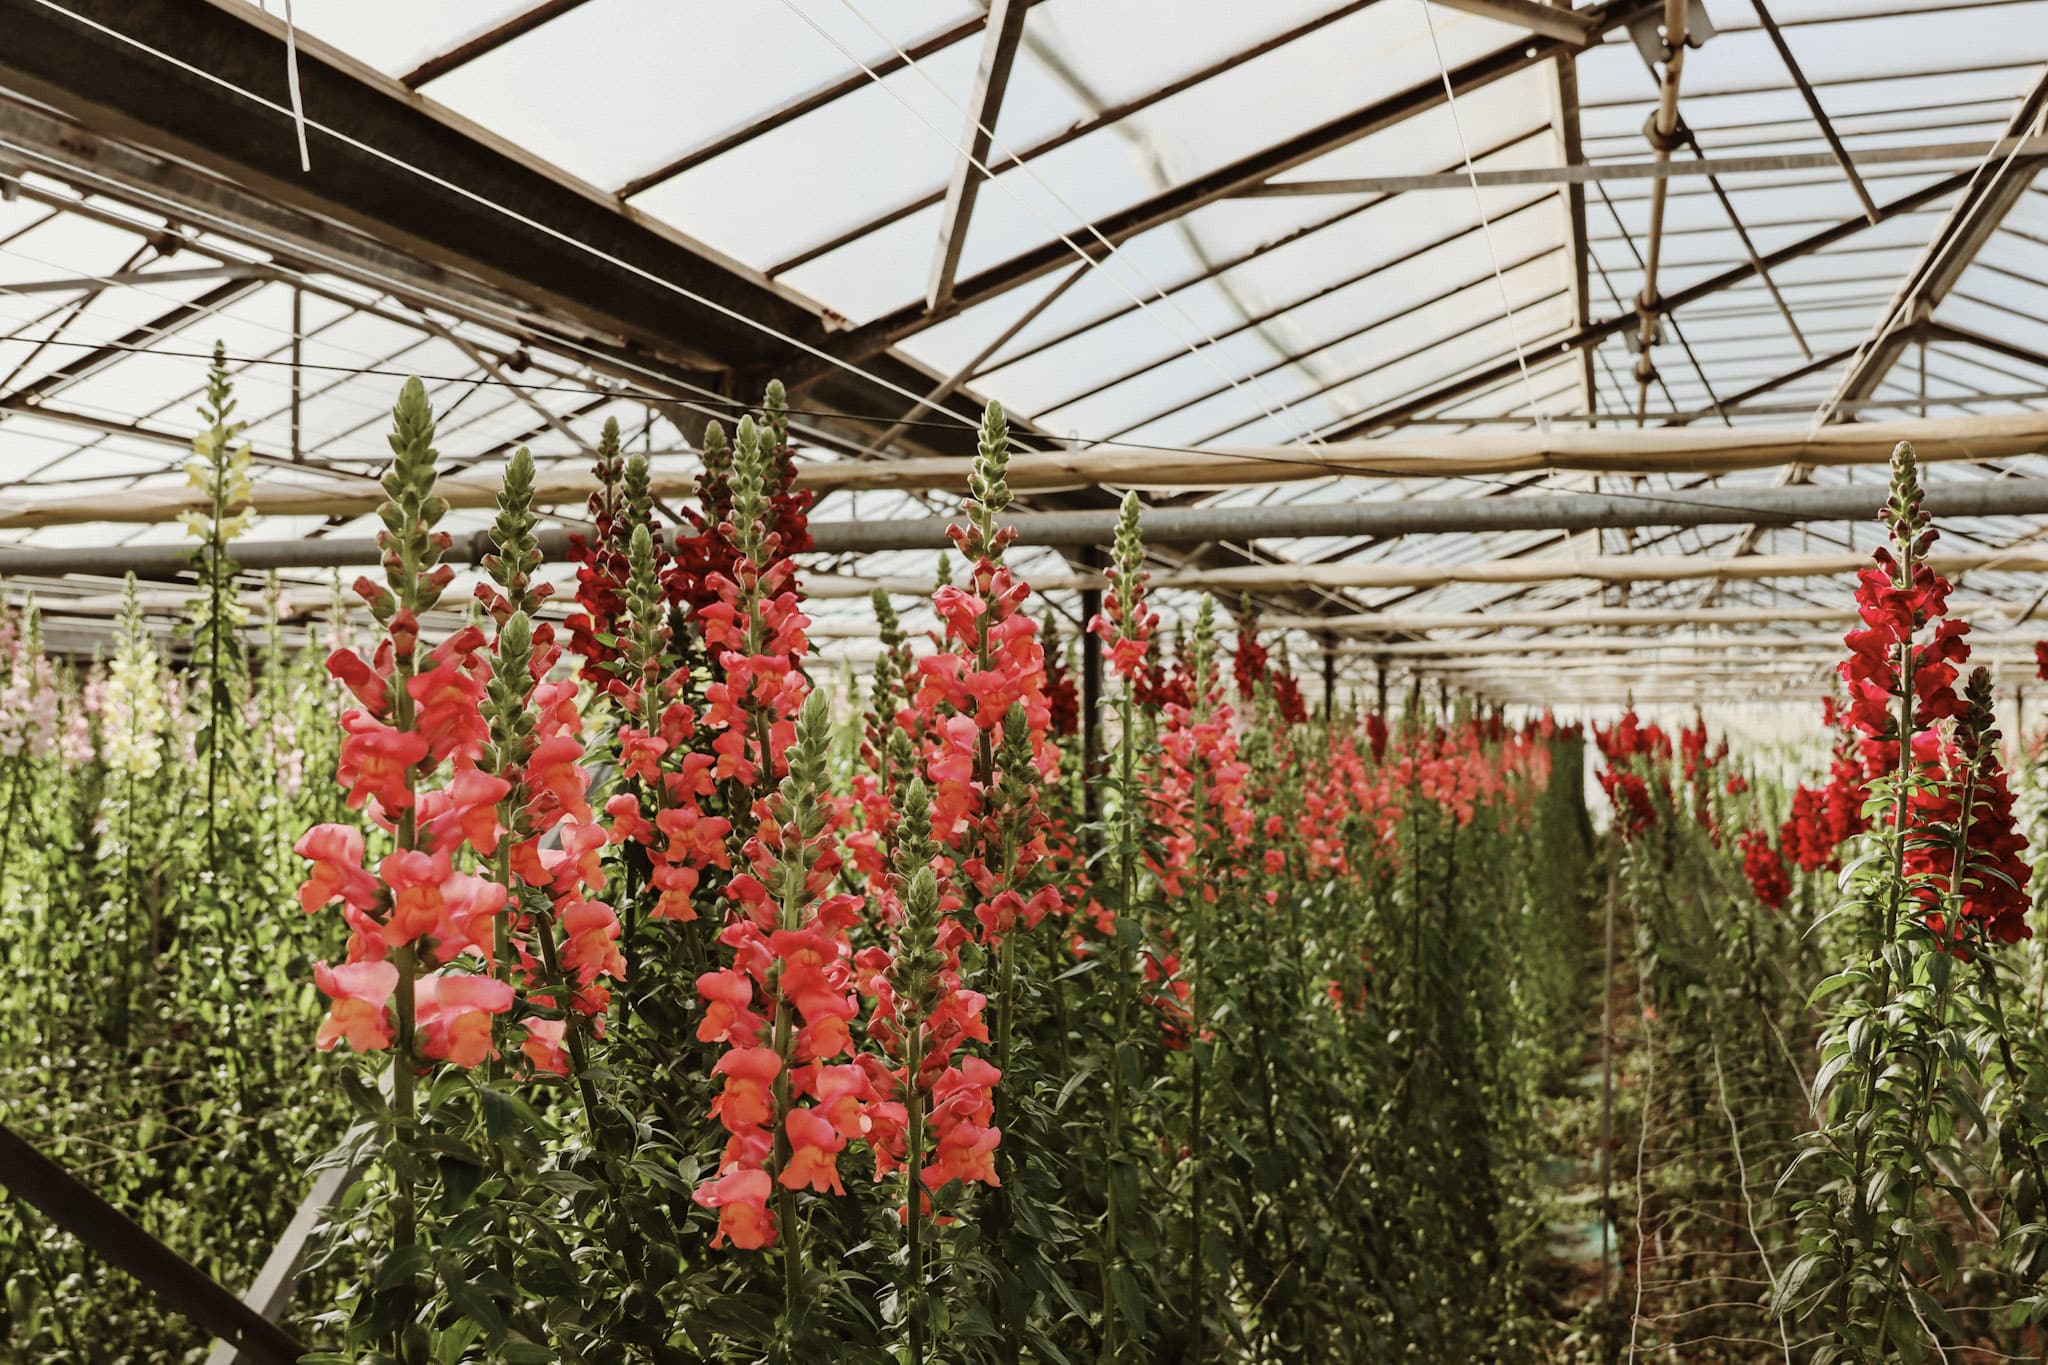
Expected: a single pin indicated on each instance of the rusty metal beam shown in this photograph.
(999, 44)
(490, 40)
(1600, 331)
(1176, 202)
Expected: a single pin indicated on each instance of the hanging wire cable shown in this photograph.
(1485, 226)
(484, 201)
(1097, 264)
(291, 76)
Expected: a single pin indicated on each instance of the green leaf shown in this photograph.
(399, 1267)
(1829, 985)
(470, 1301)
(450, 1345)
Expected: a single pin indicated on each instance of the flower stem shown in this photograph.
(1127, 879)
(916, 1292)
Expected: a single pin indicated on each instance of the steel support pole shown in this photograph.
(1329, 676)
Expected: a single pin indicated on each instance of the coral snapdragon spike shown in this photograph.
(535, 787)
(785, 1005)
(410, 759)
(990, 668)
(935, 1117)
(1198, 762)
(1126, 624)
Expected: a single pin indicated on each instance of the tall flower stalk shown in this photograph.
(219, 468)
(1126, 628)
(1944, 889)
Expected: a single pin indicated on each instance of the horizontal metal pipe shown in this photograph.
(1588, 173)
(1182, 525)
(1418, 516)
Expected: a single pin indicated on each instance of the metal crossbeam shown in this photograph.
(809, 102)
(72, 284)
(486, 42)
(1176, 202)
(1955, 244)
(991, 82)
(53, 1192)
(1561, 22)
(1608, 171)
(1074, 132)
(1441, 394)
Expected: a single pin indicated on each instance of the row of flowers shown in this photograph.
(554, 847)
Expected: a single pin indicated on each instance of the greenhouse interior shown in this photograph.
(1057, 681)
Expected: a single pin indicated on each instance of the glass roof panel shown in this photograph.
(1302, 312)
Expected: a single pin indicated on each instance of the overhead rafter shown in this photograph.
(1571, 144)
(810, 101)
(1452, 389)
(1607, 172)
(1661, 450)
(488, 225)
(1164, 207)
(70, 284)
(1962, 336)
(1561, 22)
(999, 44)
(483, 211)
(1814, 107)
(1264, 249)
(1234, 526)
(1976, 214)
(1955, 244)
(88, 363)
(1073, 132)
(488, 41)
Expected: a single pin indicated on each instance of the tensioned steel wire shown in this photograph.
(484, 201)
(1485, 226)
(1111, 249)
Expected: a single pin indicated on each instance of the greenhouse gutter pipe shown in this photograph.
(1174, 526)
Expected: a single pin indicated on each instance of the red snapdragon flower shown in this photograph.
(1765, 869)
